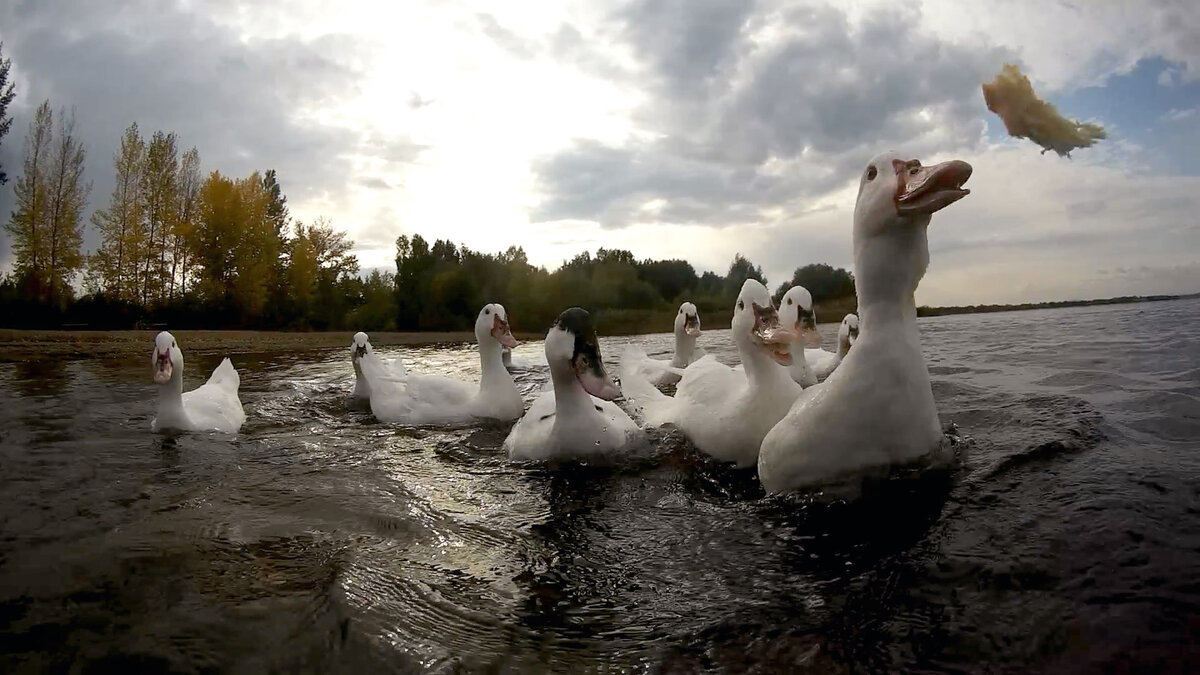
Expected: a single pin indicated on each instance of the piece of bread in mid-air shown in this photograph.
(1025, 115)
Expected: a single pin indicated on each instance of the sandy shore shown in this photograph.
(32, 345)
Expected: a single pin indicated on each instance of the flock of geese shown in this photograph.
(803, 416)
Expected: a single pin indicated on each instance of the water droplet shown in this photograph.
(597, 441)
(604, 429)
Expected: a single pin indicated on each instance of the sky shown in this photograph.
(686, 129)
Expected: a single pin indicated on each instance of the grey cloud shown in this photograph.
(375, 183)
(168, 68)
(505, 38)
(747, 125)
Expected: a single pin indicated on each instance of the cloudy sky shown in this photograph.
(676, 128)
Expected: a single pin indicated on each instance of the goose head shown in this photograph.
(897, 197)
(572, 347)
(796, 313)
(848, 332)
(166, 359)
(492, 324)
(687, 321)
(360, 347)
(756, 324)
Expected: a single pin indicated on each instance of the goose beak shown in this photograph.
(691, 325)
(501, 332)
(360, 351)
(589, 369)
(806, 328)
(774, 338)
(923, 190)
(162, 367)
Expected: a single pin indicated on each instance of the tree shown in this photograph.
(187, 204)
(115, 263)
(823, 281)
(8, 92)
(67, 194)
(28, 223)
(739, 271)
(160, 206)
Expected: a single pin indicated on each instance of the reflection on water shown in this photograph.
(318, 539)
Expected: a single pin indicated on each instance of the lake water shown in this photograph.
(1066, 538)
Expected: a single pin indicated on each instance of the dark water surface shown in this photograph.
(1066, 539)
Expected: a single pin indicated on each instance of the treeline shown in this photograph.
(440, 286)
(188, 249)
(984, 309)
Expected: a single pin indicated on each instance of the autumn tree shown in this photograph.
(187, 205)
(31, 218)
(160, 205)
(8, 92)
(115, 263)
(67, 196)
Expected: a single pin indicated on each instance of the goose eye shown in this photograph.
(871, 173)
(487, 311)
(741, 305)
(789, 301)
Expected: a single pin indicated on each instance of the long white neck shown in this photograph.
(685, 347)
(570, 399)
(494, 377)
(760, 370)
(361, 388)
(799, 370)
(843, 348)
(170, 401)
(887, 269)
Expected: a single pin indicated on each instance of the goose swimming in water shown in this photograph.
(822, 362)
(577, 417)
(723, 412)
(661, 372)
(877, 408)
(414, 398)
(213, 406)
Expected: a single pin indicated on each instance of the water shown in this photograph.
(1066, 538)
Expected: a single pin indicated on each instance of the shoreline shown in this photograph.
(32, 345)
(19, 345)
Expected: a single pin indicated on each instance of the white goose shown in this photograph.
(577, 417)
(796, 313)
(658, 371)
(360, 346)
(413, 398)
(723, 412)
(822, 362)
(877, 408)
(213, 406)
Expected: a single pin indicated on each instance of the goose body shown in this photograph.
(576, 418)
(213, 406)
(877, 407)
(723, 412)
(403, 397)
(663, 372)
(822, 362)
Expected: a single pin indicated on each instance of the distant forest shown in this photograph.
(184, 249)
